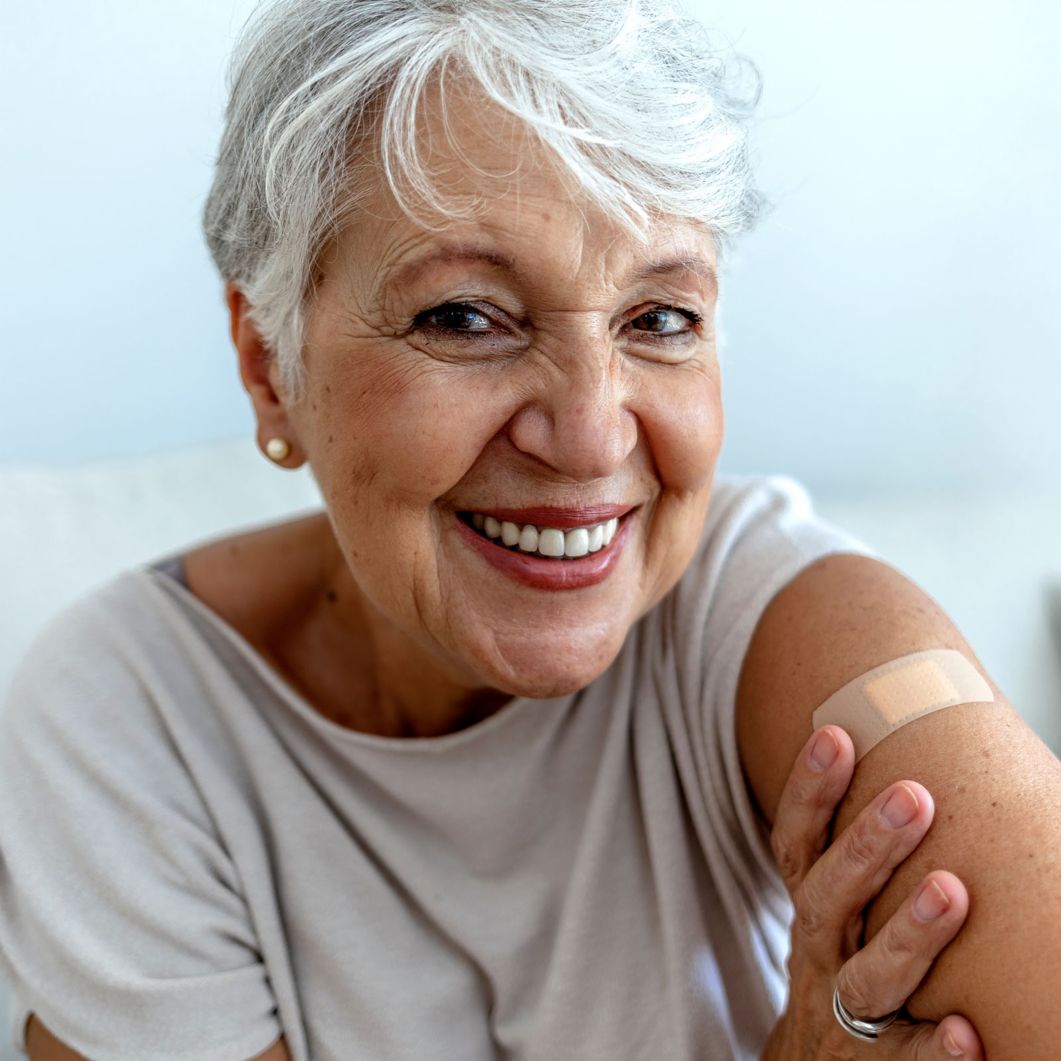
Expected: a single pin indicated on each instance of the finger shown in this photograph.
(853, 870)
(951, 1039)
(888, 970)
(817, 783)
(959, 1039)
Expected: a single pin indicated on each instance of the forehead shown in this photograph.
(548, 243)
(525, 213)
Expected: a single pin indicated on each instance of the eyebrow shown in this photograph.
(411, 271)
(449, 255)
(694, 264)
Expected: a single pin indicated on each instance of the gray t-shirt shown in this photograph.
(193, 861)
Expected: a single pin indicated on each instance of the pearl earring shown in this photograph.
(277, 449)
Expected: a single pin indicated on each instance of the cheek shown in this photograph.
(682, 418)
(399, 430)
(683, 426)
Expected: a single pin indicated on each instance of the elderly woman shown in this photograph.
(485, 759)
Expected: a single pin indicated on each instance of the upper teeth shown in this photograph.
(548, 541)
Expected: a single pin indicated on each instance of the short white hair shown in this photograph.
(630, 96)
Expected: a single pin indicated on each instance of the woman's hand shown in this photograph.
(830, 888)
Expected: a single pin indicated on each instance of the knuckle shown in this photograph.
(857, 992)
(786, 855)
(810, 925)
(805, 789)
(899, 944)
(814, 793)
(809, 916)
(861, 847)
(778, 843)
(926, 1045)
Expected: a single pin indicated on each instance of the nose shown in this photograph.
(577, 421)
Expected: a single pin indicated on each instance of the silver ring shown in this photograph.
(866, 1030)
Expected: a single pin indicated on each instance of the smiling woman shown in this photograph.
(481, 760)
(442, 337)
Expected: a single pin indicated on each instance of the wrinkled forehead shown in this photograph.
(529, 238)
(504, 200)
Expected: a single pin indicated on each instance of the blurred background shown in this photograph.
(893, 328)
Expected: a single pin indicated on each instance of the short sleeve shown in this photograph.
(122, 924)
(761, 532)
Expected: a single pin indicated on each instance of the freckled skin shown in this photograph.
(561, 400)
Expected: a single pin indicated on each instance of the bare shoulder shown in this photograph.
(995, 785)
(286, 590)
(841, 617)
(41, 1045)
(254, 578)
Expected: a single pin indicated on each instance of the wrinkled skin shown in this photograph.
(580, 370)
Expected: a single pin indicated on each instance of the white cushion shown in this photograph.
(65, 530)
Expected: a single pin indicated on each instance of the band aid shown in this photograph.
(887, 697)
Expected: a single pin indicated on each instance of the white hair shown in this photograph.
(630, 96)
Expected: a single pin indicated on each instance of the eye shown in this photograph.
(453, 317)
(666, 321)
(467, 332)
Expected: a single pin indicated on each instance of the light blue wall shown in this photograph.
(114, 338)
(894, 324)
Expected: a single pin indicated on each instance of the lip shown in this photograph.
(539, 572)
(556, 516)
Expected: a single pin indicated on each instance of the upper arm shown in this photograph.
(123, 916)
(996, 787)
(41, 1045)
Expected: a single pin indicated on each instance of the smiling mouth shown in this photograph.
(554, 543)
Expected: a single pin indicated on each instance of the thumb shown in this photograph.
(950, 1040)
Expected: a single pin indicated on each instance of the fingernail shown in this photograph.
(952, 1047)
(823, 751)
(931, 901)
(900, 807)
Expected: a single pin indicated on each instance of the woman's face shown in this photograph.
(538, 367)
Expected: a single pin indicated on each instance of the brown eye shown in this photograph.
(453, 317)
(666, 320)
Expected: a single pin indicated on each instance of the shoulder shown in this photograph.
(105, 686)
(256, 579)
(88, 646)
(839, 618)
(994, 784)
(87, 705)
(763, 529)
(109, 834)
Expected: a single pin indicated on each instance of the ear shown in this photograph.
(260, 375)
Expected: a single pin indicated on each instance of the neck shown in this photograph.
(360, 671)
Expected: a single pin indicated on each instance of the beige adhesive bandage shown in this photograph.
(887, 697)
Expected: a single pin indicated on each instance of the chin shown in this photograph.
(554, 668)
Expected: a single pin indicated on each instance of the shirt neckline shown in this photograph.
(190, 603)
